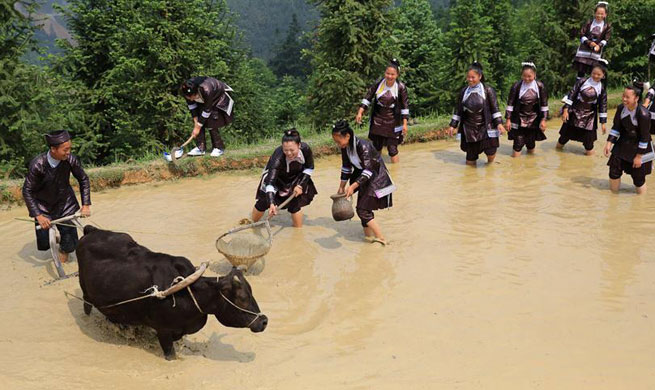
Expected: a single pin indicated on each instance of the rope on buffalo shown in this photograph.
(156, 293)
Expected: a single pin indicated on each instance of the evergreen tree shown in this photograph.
(632, 27)
(420, 48)
(16, 38)
(288, 60)
(32, 100)
(132, 55)
(469, 39)
(503, 50)
(348, 54)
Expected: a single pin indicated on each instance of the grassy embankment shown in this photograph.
(154, 168)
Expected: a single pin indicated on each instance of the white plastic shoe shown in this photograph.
(216, 152)
(196, 152)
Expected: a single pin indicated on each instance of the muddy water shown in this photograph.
(524, 274)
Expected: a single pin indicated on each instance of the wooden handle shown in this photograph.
(187, 142)
(63, 219)
(286, 202)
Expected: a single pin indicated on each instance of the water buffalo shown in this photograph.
(114, 268)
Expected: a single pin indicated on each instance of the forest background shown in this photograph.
(109, 70)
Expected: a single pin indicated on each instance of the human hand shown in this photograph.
(636, 163)
(608, 149)
(43, 221)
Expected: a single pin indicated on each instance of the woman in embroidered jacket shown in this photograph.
(362, 164)
(477, 116)
(630, 142)
(593, 39)
(211, 108)
(527, 108)
(586, 102)
(288, 171)
(389, 113)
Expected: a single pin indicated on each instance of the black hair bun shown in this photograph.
(477, 65)
(340, 126)
(189, 87)
(292, 132)
(395, 61)
(638, 84)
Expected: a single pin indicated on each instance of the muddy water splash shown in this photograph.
(524, 274)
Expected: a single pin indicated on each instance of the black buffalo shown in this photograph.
(114, 268)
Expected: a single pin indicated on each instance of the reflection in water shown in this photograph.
(527, 273)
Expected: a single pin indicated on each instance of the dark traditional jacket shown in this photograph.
(630, 135)
(514, 105)
(282, 176)
(214, 96)
(363, 164)
(586, 37)
(599, 106)
(47, 190)
(651, 97)
(492, 116)
(400, 108)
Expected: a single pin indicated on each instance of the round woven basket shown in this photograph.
(246, 247)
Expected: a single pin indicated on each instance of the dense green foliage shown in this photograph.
(115, 86)
(349, 53)
(419, 46)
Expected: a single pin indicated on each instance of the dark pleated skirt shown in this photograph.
(578, 134)
(366, 199)
(480, 146)
(617, 164)
(529, 134)
(303, 200)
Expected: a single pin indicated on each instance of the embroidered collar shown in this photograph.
(299, 158)
(530, 86)
(597, 85)
(53, 162)
(632, 114)
(383, 87)
(479, 89)
(596, 23)
(353, 156)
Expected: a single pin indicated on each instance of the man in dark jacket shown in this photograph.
(48, 194)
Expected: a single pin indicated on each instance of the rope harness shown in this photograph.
(156, 293)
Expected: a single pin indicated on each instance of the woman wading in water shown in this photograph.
(288, 171)
(586, 102)
(527, 108)
(389, 112)
(593, 39)
(629, 141)
(362, 165)
(477, 117)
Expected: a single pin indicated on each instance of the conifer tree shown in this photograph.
(288, 60)
(421, 51)
(348, 54)
(132, 55)
(469, 38)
